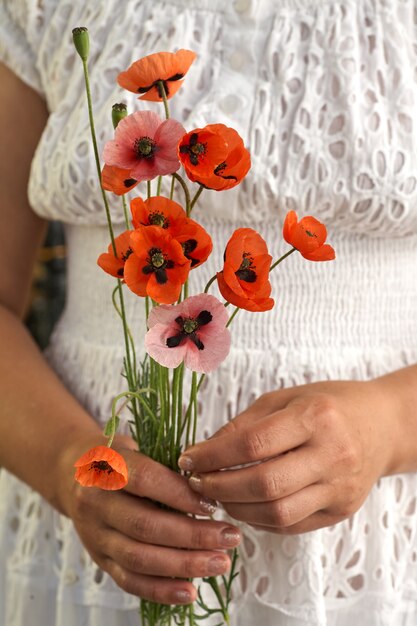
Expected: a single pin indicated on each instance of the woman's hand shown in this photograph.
(142, 546)
(311, 454)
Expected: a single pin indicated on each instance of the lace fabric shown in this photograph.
(323, 93)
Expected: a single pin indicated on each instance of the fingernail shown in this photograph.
(230, 537)
(185, 463)
(208, 506)
(183, 597)
(195, 482)
(217, 565)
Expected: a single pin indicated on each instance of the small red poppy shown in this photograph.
(101, 467)
(115, 265)
(214, 157)
(160, 211)
(158, 268)
(117, 180)
(244, 280)
(308, 236)
(144, 75)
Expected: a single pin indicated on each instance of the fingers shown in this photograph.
(264, 482)
(283, 513)
(149, 524)
(155, 589)
(249, 442)
(150, 479)
(146, 559)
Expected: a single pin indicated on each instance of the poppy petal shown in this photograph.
(101, 467)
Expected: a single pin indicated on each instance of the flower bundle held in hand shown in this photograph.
(153, 258)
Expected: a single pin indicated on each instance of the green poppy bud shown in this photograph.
(118, 112)
(81, 41)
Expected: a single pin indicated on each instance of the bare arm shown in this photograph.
(29, 387)
(43, 429)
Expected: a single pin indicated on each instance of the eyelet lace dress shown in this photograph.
(324, 94)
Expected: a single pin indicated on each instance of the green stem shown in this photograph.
(148, 188)
(196, 197)
(159, 185)
(186, 192)
(162, 91)
(282, 258)
(171, 193)
(210, 282)
(125, 211)
(96, 156)
(233, 315)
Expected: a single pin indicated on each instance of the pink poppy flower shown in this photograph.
(193, 331)
(145, 145)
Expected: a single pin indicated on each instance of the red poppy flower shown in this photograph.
(145, 146)
(160, 211)
(115, 265)
(214, 157)
(196, 242)
(117, 180)
(308, 236)
(244, 280)
(144, 75)
(158, 267)
(101, 467)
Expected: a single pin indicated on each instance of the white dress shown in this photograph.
(324, 94)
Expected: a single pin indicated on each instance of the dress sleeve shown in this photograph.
(21, 29)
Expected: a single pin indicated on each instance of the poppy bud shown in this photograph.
(118, 112)
(81, 41)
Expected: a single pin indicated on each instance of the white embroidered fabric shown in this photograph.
(323, 93)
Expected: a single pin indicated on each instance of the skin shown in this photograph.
(311, 453)
(43, 428)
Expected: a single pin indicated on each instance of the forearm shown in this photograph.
(42, 426)
(399, 392)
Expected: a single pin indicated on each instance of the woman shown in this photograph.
(322, 94)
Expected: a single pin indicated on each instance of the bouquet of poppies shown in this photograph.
(153, 258)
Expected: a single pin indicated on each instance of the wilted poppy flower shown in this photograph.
(193, 332)
(169, 215)
(157, 267)
(145, 146)
(101, 467)
(144, 75)
(117, 180)
(115, 265)
(307, 236)
(244, 280)
(215, 157)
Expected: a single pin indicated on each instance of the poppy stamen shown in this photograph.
(247, 269)
(101, 466)
(195, 149)
(145, 147)
(158, 219)
(188, 329)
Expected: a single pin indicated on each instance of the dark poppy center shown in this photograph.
(310, 234)
(126, 254)
(188, 328)
(195, 149)
(246, 271)
(101, 466)
(158, 219)
(145, 147)
(188, 248)
(158, 264)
